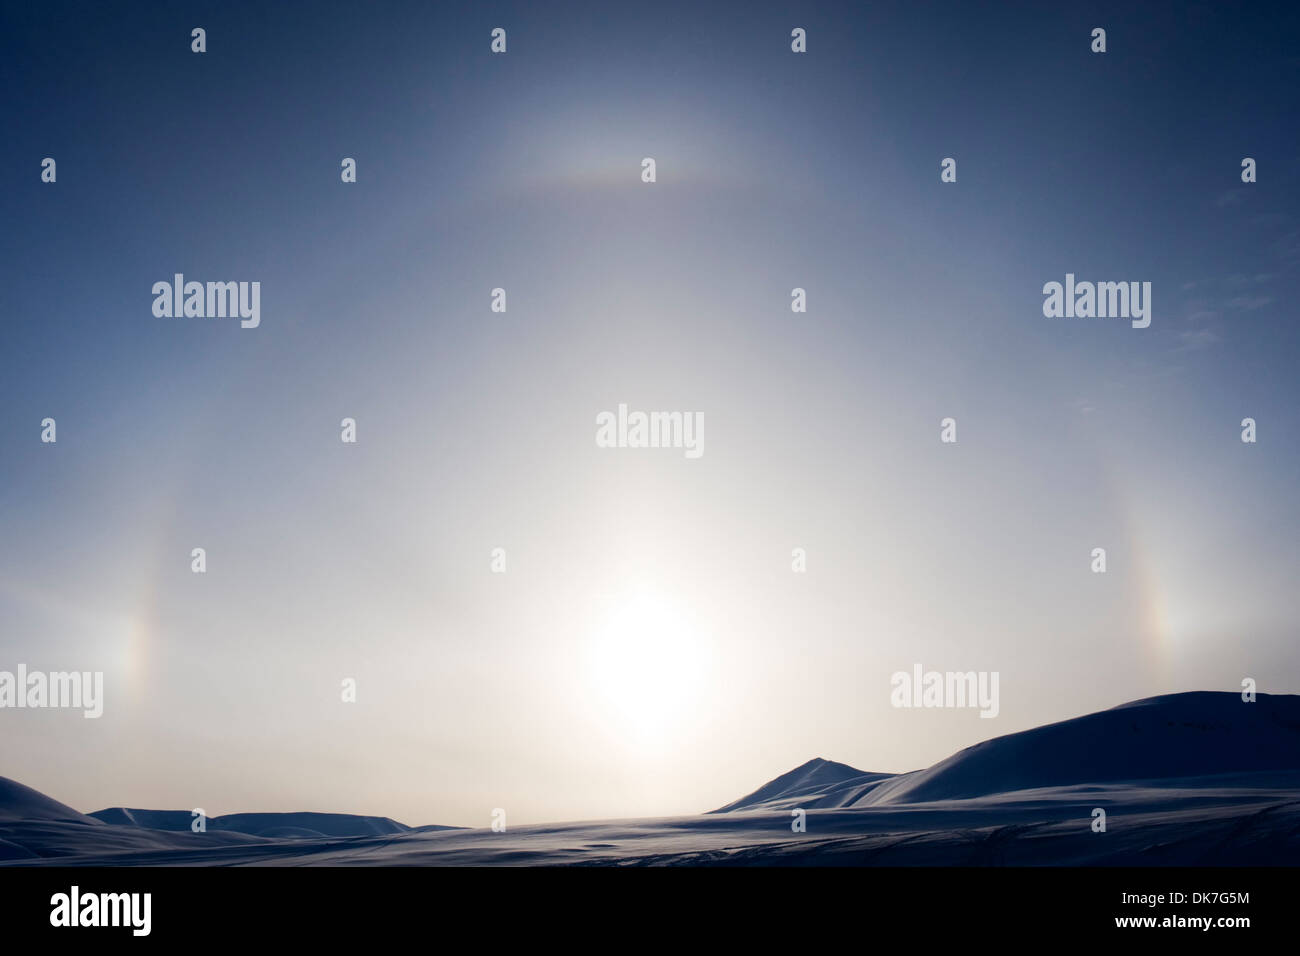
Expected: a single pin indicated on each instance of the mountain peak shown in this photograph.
(818, 778)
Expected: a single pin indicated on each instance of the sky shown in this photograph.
(649, 649)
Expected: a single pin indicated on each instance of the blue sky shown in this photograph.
(522, 171)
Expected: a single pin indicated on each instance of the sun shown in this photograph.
(648, 666)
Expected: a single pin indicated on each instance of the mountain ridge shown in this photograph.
(1184, 736)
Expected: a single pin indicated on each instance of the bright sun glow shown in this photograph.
(649, 667)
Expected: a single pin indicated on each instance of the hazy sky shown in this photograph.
(649, 649)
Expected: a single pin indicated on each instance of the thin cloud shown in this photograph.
(1248, 303)
(1193, 340)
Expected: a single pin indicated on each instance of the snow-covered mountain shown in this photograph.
(1186, 779)
(1187, 740)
